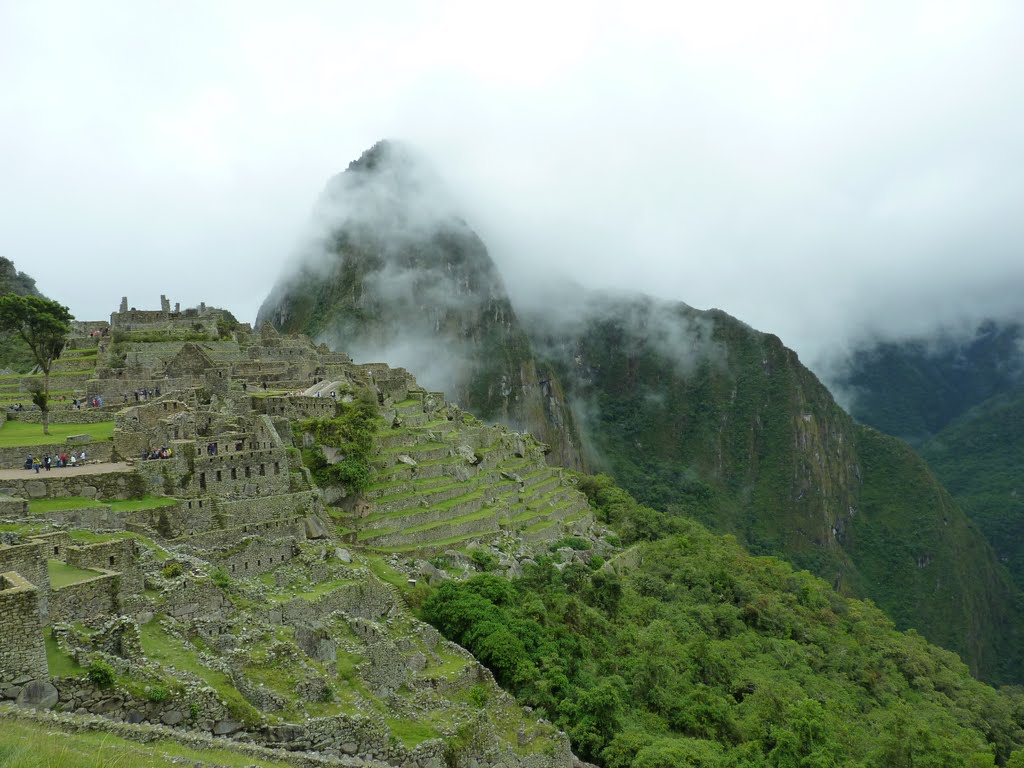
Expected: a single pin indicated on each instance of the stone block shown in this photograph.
(38, 694)
(83, 438)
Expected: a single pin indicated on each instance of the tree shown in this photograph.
(43, 325)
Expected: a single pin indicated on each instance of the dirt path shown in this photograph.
(88, 469)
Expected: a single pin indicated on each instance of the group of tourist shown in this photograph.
(149, 454)
(55, 462)
(143, 394)
(93, 402)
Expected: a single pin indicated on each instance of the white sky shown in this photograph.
(819, 169)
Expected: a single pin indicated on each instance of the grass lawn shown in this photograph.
(62, 574)
(34, 745)
(40, 506)
(58, 662)
(18, 433)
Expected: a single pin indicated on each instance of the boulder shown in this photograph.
(83, 438)
(39, 694)
(315, 528)
(467, 453)
(405, 459)
(172, 717)
(343, 554)
(225, 727)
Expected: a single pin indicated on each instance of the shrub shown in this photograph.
(484, 560)
(157, 693)
(100, 673)
(173, 570)
(221, 578)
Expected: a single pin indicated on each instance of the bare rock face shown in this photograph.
(400, 277)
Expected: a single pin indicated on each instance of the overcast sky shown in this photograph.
(818, 169)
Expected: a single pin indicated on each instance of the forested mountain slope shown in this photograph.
(697, 413)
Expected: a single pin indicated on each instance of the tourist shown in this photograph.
(47, 462)
(36, 464)
(28, 462)
(81, 458)
(72, 460)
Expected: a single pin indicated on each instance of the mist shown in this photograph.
(828, 172)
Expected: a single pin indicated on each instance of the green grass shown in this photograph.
(89, 537)
(58, 662)
(41, 506)
(18, 433)
(385, 572)
(62, 574)
(34, 745)
(146, 502)
(409, 732)
(312, 594)
(170, 651)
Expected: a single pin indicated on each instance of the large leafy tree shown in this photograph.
(43, 325)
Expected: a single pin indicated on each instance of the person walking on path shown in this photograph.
(46, 462)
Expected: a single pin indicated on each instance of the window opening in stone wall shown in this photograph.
(263, 470)
(248, 472)
(277, 468)
(111, 559)
(56, 550)
(218, 475)
(202, 480)
(234, 473)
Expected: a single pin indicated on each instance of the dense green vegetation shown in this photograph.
(698, 414)
(914, 389)
(351, 432)
(14, 353)
(686, 651)
(979, 457)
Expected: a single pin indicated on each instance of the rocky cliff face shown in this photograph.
(697, 413)
(399, 277)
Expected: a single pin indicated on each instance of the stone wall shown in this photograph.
(22, 651)
(56, 485)
(242, 473)
(98, 519)
(254, 556)
(120, 555)
(285, 528)
(85, 599)
(14, 458)
(59, 415)
(29, 560)
(196, 599)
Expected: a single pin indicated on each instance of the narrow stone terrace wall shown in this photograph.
(22, 651)
(86, 599)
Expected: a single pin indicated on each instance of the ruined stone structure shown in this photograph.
(210, 421)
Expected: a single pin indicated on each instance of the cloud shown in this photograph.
(826, 172)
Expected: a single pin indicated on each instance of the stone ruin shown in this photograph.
(219, 412)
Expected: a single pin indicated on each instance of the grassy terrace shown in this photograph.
(34, 745)
(17, 433)
(41, 506)
(63, 575)
(170, 651)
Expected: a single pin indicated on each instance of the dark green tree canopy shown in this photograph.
(41, 323)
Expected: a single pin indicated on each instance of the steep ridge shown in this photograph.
(400, 277)
(698, 413)
(961, 401)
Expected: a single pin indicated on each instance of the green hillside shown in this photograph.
(686, 651)
(725, 424)
(980, 457)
